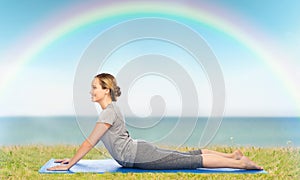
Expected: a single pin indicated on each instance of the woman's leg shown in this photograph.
(152, 157)
(235, 155)
(216, 161)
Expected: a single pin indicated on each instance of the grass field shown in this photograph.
(23, 162)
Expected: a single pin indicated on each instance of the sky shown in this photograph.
(255, 44)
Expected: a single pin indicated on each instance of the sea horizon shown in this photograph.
(233, 130)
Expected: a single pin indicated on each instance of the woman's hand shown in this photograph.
(59, 168)
(63, 161)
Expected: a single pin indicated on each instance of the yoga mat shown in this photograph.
(110, 165)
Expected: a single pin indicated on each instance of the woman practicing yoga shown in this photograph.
(110, 128)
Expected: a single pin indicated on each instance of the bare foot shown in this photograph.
(249, 164)
(237, 155)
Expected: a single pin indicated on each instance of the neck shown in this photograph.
(105, 103)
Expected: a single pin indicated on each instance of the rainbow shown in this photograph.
(79, 16)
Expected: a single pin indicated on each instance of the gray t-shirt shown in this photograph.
(116, 139)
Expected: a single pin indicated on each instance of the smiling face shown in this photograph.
(97, 93)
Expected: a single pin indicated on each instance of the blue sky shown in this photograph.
(45, 85)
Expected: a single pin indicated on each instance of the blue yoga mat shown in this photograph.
(110, 165)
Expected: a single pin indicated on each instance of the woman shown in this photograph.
(110, 128)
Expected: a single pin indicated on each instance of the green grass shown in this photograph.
(23, 162)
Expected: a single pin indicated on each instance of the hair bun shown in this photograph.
(117, 91)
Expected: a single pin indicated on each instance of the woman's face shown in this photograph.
(97, 93)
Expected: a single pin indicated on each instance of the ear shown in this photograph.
(107, 91)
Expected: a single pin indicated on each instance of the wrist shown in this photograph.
(68, 167)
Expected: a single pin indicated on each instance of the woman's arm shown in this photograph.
(85, 147)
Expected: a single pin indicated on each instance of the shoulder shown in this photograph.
(108, 110)
(108, 115)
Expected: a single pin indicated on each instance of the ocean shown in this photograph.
(171, 131)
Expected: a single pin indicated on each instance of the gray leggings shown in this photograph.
(149, 156)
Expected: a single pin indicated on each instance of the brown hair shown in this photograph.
(108, 81)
